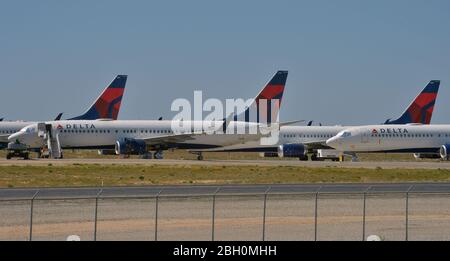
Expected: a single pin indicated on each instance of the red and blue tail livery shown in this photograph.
(268, 101)
(421, 109)
(107, 106)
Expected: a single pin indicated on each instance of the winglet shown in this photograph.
(58, 118)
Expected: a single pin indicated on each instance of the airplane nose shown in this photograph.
(333, 142)
(14, 137)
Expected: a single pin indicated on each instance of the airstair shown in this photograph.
(51, 139)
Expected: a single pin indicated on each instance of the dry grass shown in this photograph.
(121, 175)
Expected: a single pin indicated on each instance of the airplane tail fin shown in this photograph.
(421, 109)
(107, 105)
(267, 103)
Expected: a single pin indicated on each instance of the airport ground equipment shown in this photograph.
(324, 154)
(17, 150)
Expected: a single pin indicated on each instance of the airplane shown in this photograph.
(299, 141)
(140, 137)
(107, 105)
(430, 140)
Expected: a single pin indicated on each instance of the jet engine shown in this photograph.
(291, 151)
(130, 147)
(444, 151)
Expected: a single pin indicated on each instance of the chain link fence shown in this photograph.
(317, 214)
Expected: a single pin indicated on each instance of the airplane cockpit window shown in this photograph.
(345, 134)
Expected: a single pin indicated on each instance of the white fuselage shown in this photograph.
(392, 138)
(308, 134)
(10, 127)
(296, 135)
(105, 133)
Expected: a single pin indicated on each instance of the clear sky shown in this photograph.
(349, 61)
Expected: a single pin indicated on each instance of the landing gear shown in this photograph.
(158, 155)
(199, 155)
(354, 157)
(314, 157)
(304, 157)
(147, 155)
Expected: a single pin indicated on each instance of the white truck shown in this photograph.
(17, 150)
(334, 155)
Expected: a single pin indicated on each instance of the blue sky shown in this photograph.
(349, 61)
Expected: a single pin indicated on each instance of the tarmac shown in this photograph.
(294, 163)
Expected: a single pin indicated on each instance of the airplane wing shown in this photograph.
(259, 148)
(239, 149)
(249, 146)
(317, 145)
(173, 138)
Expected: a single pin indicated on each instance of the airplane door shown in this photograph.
(41, 129)
(365, 138)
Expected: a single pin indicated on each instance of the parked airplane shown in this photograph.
(299, 141)
(107, 105)
(139, 137)
(423, 139)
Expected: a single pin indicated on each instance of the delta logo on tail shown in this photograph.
(421, 109)
(107, 106)
(274, 89)
(272, 94)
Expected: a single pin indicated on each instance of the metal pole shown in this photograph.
(95, 214)
(31, 214)
(264, 214)
(214, 213)
(315, 214)
(364, 213)
(364, 217)
(407, 212)
(156, 214)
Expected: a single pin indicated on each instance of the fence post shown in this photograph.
(407, 212)
(95, 214)
(364, 213)
(213, 215)
(315, 213)
(156, 214)
(264, 214)
(31, 214)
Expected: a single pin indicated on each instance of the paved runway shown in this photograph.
(294, 163)
(151, 191)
